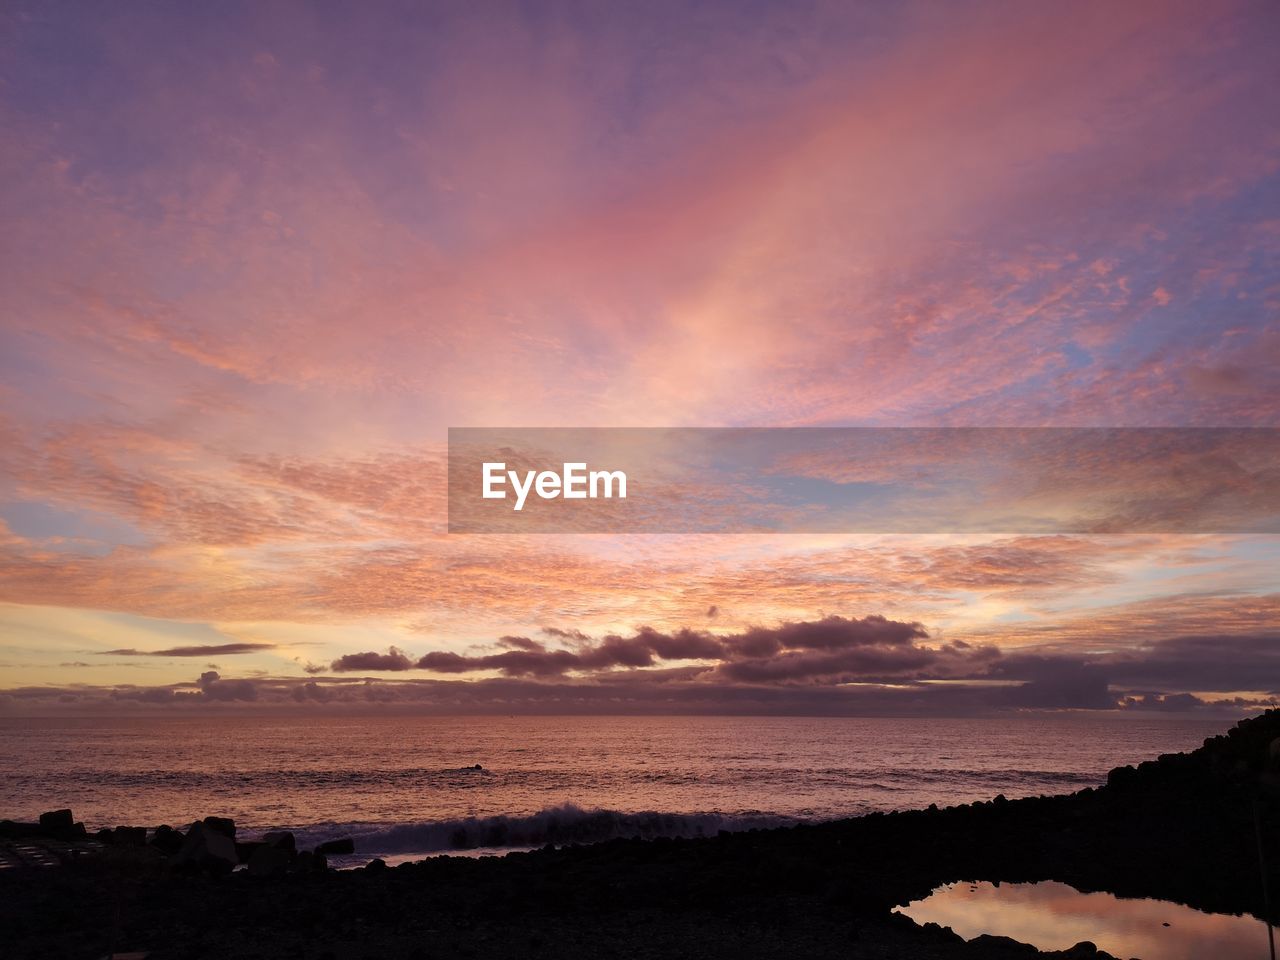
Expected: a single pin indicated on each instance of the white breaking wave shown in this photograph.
(564, 824)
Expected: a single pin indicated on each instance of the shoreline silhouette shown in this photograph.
(1187, 828)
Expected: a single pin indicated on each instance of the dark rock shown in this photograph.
(282, 839)
(270, 861)
(1003, 946)
(61, 825)
(223, 825)
(936, 931)
(1122, 777)
(208, 850)
(57, 820)
(122, 836)
(167, 840)
(338, 848)
(310, 862)
(12, 830)
(129, 836)
(375, 865)
(245, 849)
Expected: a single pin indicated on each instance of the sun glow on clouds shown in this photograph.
(253, 276)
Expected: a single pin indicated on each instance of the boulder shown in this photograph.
(1121, 778)
(223, 825)
(282, 839)
(61, 825)
(129, 836)
(57, 821)
(167, 840)
(270, 861)
(337, 848)
(207, 849)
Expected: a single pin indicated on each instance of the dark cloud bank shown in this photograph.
(821, 650)
(836, 666)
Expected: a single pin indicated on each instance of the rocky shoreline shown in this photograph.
(1186, 827)
(209, 846)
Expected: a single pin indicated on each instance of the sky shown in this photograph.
(259, 257)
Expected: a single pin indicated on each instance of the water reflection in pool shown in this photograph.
(1054, 916)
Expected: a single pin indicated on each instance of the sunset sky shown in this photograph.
(259, 257)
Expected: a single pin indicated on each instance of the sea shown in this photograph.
(410, 787)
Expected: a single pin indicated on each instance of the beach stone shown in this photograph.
(337, 848)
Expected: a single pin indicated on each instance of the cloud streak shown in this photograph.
(220, 649)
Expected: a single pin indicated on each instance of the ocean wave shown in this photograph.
(564, 824)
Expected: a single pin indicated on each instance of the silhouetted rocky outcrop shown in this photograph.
(57, 821)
